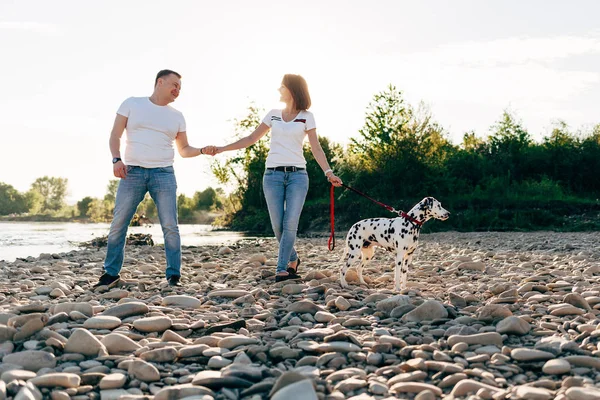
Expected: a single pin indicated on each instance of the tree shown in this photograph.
(111, 190)
(53, 191)
(83, 206)
(11, 201)
(245, 169)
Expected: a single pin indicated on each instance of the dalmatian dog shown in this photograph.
(399, 234)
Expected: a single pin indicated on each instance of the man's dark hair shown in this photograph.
(165, 72)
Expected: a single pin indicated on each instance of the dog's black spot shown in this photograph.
(366, 243)
(392, 231)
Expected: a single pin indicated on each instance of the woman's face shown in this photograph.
(285, 95)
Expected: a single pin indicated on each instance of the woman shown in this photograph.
(285, 182)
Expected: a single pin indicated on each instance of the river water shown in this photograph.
(23, 239)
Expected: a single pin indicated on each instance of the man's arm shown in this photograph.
(184, 148)
(114, 143)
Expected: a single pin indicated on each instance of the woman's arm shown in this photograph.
(319, 154)
(246, 141)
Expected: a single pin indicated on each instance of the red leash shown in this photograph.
(331, 242)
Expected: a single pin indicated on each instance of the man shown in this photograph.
(152, 127)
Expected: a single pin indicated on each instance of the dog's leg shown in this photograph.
(349, 259)
(407, 263)
(399, 267)
(367, 255)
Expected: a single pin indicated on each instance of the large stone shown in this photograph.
(181, 301)
(428, 311)
(414, 387)
(560, 310)
(533, 393)
(513, 325)
(113, 381)
(83, 342)
(183, 391)
(487, 338)
(472, 266)
(127, 310)
(84, 308)
(577, 300)
(583, 393)
(557, 366)
(62, 379)
(491, 312)
(467, 386)
(163, 355)
(229, 293)
(144, 371)
(31, 360)
(584, 361)
(293, 288)
(340, 347)
(304, 306)
(152, 324)
(7, 333)
(525, 354)
(347, 373)
(19, 374)
(116, 344)
(215, 380)
(231, 342)
(389, 304)
(102, 322)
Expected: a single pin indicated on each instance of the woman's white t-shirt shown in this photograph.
(151, 131)
(287, 137)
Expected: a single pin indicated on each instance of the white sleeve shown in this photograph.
(267, 119)
(310, 122)
(125, 108)
(182, 127)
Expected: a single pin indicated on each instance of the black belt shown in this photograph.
(286, 169)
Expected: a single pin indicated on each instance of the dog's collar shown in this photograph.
(410, 218)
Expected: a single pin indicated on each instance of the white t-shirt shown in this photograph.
(287, 137)
(151, 131)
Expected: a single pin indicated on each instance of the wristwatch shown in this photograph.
(116, 160)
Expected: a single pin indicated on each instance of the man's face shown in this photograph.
(169, 86)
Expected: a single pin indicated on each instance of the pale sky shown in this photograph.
(67, 65)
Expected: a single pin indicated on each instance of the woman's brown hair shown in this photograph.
(299, 90)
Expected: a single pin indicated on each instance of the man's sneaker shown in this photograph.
(106, 280)
(174, 280)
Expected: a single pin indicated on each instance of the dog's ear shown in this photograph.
(429, 202)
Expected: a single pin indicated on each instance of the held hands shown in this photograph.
(120, 169)
(333, 179)
(211, 150)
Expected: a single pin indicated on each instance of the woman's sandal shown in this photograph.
(294, 270)
(289, 276)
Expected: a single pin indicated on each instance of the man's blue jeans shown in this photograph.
(161, 184)
(285, 193)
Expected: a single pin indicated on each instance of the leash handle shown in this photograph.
(331, 242)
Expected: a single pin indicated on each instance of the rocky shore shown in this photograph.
(486, 316)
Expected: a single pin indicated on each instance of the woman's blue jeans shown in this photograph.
(162, 185)
(285, 193)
